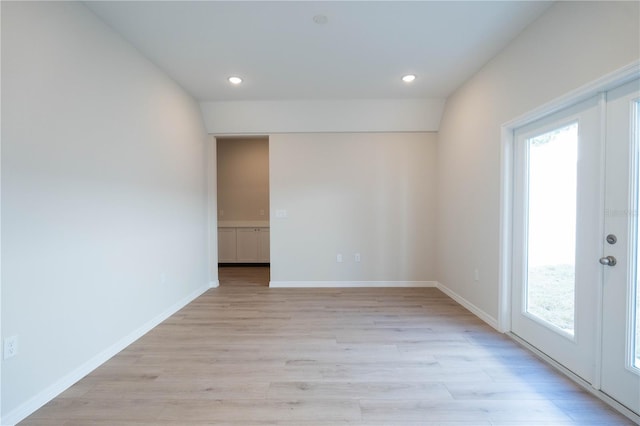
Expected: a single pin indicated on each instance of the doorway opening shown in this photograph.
(242, 167)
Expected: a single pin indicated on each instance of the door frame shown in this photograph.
(596, 87)
(212, 197)
(212, 210)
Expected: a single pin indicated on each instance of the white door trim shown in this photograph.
(212, 210)
(597, 373)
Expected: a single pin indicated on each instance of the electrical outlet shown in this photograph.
(221, 213)
(261, 212)
(339, 258)
(10, 347)
(356, 257)
(281, 213)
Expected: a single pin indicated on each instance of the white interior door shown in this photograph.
(556, 235)
(621, 299)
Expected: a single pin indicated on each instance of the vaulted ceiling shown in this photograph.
(316, 49)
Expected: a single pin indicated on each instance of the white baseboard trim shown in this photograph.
(214, 284)
(469, 306)
(30, 406)
(349, 284)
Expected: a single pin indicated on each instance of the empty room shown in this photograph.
(320, 213)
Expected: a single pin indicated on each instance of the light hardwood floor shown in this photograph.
(245, 354)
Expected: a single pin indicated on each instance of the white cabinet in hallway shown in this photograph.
(242, 244)
(247, 244)
(252, 245)
(226, 245)
(264, 245)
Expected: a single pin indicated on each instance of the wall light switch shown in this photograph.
(476, 275)
(339, 258)
(281, 213)
(356, 257)
(261, 212)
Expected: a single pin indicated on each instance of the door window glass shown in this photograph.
(551, 227)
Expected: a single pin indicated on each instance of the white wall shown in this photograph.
(243, 179)
(372, 115)
(103, 195)
(372, 193)
(572, 44)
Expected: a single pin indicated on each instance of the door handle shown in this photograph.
(608, 261)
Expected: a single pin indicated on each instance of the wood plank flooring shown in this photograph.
(244, 354)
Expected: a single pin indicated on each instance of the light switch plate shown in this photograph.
(10, 347)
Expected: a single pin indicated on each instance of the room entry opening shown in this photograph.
(243, 224)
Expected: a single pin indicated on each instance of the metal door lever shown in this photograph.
(608, 261)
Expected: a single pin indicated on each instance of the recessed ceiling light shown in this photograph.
(408, 78)
(320, 19)
(235, 80)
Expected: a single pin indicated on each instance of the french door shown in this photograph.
(575, 238)
(556, 238)
(621, 299)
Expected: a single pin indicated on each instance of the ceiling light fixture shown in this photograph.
(320, 19)
(235, 80)
(408, 78)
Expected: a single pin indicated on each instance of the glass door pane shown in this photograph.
(551, 231)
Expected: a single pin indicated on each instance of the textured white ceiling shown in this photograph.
(361, 53)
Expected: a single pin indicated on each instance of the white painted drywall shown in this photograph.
(103, 193)
(572, 44)
(367, 193)
(243, 179)
(371, 115)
